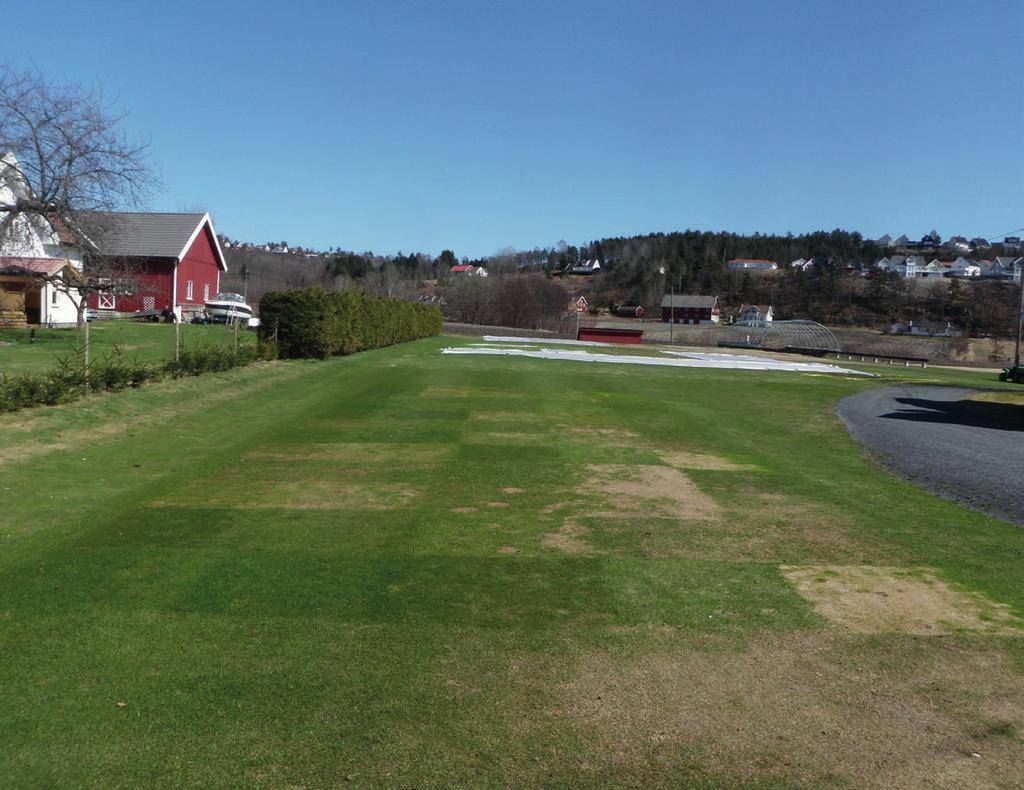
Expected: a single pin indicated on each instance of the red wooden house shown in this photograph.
(174, 259)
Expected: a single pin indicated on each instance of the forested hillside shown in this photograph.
(530, 287)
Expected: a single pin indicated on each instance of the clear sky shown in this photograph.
(416, 126)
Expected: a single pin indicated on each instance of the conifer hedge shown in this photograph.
(312, 322)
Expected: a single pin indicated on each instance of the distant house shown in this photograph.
(984, 267)
(629, 311)
(755, 313)
(1006, 267)
(884, 241)
(902, 241)
(890, 262)
(468, 269)
(931, 328)
(979, 243)
(586, 267)
(799, 263)
(690, 309)
(958, 243)
(756, 264)
(910, 267)
(1011, 243)
(934, 270)
(964, 267)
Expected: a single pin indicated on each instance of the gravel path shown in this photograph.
(966, 451)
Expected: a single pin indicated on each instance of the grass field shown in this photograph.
(147, 342)
(403, 569)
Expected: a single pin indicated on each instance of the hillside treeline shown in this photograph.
(529, 288)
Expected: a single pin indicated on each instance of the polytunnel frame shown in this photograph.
(793, 335)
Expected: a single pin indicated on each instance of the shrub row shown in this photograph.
(67, 381)
(312, 322)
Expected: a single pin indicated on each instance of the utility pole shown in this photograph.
(1020, 314)
(671, 311)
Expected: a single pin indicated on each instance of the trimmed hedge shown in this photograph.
(312, 322)
(67, 382)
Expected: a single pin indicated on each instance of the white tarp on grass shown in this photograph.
(678, 360)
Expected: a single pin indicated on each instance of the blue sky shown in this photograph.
(410, 126)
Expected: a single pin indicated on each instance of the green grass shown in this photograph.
(147, 342)
(277, 605)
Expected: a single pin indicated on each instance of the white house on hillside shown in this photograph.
(755, 313)
(965, 267)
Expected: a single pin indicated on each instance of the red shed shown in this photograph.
(610, 334)
(176, 258)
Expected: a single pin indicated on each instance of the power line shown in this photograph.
(1004, 235)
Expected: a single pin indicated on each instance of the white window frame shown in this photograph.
(188, 289)
(206, 292)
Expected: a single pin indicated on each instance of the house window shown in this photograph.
(206, 292)
(53, 296)
(188, 290)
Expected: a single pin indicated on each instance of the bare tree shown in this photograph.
(67, 163)
(70, 150)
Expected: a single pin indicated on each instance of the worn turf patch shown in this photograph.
(647, 490)
(872, 600)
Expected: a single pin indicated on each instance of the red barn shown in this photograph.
(175, 259)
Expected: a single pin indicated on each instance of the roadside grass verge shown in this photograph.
(400, 568)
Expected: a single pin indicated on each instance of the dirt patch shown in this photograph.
(547, 510)
(505, 416)
(463, 510)
(360, 453)
(513, 490)
(496, 504)
(570, 539)
(508, 550)
(808, 709)
(684, 460)
(875, 600)
(637, 491)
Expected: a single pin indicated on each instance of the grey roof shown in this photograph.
(147, 235)
(688, 300)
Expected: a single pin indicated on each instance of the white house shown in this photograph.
(755, 313)
(31, 249)
(934, 270)
(586, 267)
(1007, 267)
(964, 267)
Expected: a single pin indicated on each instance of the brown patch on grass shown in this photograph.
(635, 491)
(496, 504)
(570, 539)
(875, 600)
(808, 708)
(464, 510)
(505, 416)
(607, 436)
(684, 460)
(513, 490)
(360, 453)
(547, 510)
(517, 438)
(303, 495)
(508, 550)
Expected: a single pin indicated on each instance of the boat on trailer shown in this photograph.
(228, 307)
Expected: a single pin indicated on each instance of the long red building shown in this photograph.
(174, 259)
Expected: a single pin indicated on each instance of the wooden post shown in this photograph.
(85, 355)
(235, 351)
(177, 338)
